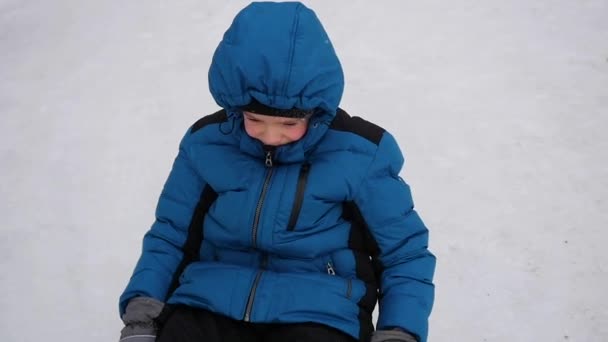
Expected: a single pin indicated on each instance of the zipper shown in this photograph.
(258, 209)
(254, 287)
(297, 204)
(254, 233)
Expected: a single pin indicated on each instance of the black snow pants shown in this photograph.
(186, 324)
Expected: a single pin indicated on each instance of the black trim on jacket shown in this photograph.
(358, 126)
(299, 197)
(195, 236)
(368, 267)
(215, 118)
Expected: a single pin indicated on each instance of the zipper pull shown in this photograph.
(330, 269)
(268, 158)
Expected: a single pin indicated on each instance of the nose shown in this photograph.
(270, 136)
(271, 139)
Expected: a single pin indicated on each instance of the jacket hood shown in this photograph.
(280, 55)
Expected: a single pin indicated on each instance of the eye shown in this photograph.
(289, 124)
(252, 119)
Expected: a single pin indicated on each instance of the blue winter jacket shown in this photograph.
(315, 231)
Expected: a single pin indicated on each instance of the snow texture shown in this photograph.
(500, 106)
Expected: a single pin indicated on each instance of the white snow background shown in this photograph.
(500, 107)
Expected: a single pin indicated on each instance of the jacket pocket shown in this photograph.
(299, 198)
(331, 270)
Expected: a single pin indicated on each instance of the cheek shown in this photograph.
(251, 129)
(296, 133)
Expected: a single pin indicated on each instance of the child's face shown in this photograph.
(274, 131)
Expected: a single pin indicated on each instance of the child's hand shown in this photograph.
(139, 320)
(393, 335)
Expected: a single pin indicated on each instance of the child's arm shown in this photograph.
(407, 267)
(162, 250)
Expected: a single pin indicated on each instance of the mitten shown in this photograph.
(395, 335)
(139, 320)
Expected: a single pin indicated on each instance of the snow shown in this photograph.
(499, 106)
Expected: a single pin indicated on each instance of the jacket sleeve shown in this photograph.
(406, 265)
(162, 249)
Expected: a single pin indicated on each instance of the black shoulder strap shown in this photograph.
(356, 125)
(217, 117)
(195, 237)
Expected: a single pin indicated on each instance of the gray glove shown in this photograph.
(395, 335)
(139, 320)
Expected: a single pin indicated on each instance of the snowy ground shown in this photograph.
(500, 106)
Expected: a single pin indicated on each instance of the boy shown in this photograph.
(283, 218)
